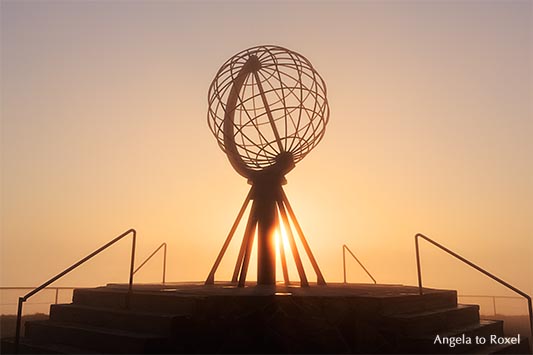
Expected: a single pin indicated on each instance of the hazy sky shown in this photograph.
(103, 113)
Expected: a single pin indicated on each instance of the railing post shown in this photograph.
(57, 295)
(494, 304)
(344, 249)
(69, 269)
(130, 286)
(164, 261)
(530, 311)
(418, 268)
(344, 261)
(478, 268)
(19, 320)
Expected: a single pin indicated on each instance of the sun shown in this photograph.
(283, 247)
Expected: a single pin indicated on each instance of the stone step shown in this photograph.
(185, 318)
(418, 303)
(433, 320)
(155, 323)
(522, 348)
(29, 346)
(94, 338)
(161, 302)
(169, 301)
(427, 343)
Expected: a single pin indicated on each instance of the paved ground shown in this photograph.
(332, 290)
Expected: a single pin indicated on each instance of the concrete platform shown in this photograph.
(222, 318)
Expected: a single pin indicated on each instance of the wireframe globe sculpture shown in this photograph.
(267, 102)
(267, 109)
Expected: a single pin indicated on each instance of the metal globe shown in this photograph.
(267, 104)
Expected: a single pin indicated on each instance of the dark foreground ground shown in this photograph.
(222, 318)
(9, 322)
(512, 324)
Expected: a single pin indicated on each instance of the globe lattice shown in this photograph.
(282, 82)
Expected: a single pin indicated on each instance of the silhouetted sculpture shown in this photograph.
(268, 109)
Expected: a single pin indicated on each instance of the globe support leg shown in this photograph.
(269, 211)
(238, 264)
(211, 278)
(292, 243)
(320, 277)
(242, 250)
(249, 235)
(282, 251)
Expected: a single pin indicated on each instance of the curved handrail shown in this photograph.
(344, 248)
(69, 269)
(164, 246)
(478, 268)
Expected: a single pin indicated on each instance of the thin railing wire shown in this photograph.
(478, 268)
(493, 298)
(344, 248)
(56, 289)
(69, 269)
(164, 247)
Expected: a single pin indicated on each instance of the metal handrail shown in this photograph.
(478, 268)
(344, 248)
(164, 246)
(32, 287)
(74, 266)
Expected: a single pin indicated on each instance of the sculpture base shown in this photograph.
(223, 318)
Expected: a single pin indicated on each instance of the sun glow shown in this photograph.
(423, 137)
(283, 249)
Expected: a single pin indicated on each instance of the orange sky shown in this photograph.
(103, 112)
